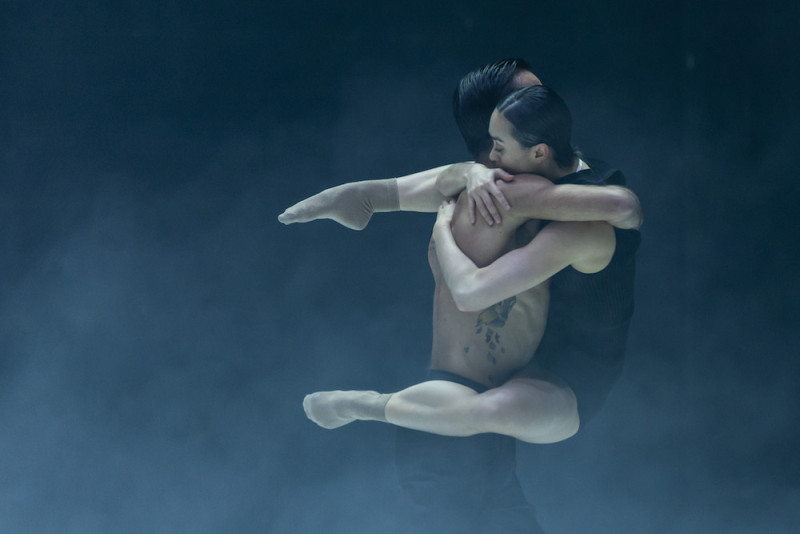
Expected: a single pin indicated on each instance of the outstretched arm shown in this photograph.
(352, 204)
(587, 246)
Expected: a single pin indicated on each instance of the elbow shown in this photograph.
(466, 300)
(628, 210)
(474, 292)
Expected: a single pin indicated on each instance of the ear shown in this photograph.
(540, 151)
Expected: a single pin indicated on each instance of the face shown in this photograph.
(522, 78)
(507, 153)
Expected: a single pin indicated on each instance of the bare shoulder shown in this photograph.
(589, 244)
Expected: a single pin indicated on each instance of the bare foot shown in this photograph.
(326, 408)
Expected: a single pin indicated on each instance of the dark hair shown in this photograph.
(476, 96)
(539, 115)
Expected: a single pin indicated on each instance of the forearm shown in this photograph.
(419, 191)
(587, 246)
(453, 178)
(457, 269)
(613, 204)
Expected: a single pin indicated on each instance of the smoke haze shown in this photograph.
(160, 327)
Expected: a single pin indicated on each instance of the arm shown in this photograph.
(587, 246)
(352, 204)
(482, 190)
(538, 198)
(453, 179)
(419, 191)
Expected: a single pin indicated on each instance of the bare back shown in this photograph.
(491, 345)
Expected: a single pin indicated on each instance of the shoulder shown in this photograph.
(590, 245)
(598, 173)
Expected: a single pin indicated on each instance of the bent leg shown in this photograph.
(533, 407)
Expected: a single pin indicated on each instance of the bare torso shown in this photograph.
(491, 345)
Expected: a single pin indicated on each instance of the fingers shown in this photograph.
(498, 194)
(500, 174)
(491, 207)
(446, 209)
(484, 199)
(471, 208)
(485, 204)
(487, 208)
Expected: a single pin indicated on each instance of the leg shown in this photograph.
(448, 480)
(464, 485)
(332, 409)
(532, 407)
(432, 406)
(351, 204)
(507, 510)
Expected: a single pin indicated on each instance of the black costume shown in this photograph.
(587, 322)
(469, 484)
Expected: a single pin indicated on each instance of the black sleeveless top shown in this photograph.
(590, 313)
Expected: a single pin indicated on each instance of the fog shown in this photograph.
(160, 327)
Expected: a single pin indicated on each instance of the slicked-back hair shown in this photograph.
(539, 115)
(476, 96)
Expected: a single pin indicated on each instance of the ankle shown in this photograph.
(371, 406)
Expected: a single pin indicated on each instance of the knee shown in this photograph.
(549, 416)
(566, 420)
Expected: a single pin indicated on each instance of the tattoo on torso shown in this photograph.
(489, 320)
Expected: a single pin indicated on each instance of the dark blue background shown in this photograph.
(159, 327)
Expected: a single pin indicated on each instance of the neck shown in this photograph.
(555, 172)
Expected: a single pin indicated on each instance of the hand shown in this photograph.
(483, 193)
(445, 215)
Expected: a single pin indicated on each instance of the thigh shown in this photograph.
(534, 406)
